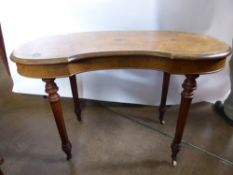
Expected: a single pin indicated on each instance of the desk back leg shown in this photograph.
(54, 99)
(189, 86)
(74, 88)
(162, 107)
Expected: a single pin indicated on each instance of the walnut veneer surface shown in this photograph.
(125, 49)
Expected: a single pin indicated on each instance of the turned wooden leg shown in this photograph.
(54, 99)
(162, 107)
(189, 86)
(74, 88)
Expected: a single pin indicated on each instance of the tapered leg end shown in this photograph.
(161, 113)
(67, 149)
(78, 114)
(175, 149)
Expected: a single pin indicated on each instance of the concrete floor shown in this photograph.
(112, 139)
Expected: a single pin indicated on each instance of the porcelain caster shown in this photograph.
(162, 122)
(174, 163)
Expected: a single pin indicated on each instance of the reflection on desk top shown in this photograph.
(77, 46)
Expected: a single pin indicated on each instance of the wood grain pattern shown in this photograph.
(172, 52)
(67, 48)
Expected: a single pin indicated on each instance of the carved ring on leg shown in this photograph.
(189, 86)
(54, 99)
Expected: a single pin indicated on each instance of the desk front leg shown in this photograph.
(189, 86)
(54, 99)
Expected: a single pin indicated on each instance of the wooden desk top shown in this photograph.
(174, 52)
(67, 48)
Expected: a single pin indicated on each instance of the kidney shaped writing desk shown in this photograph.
(171, 52)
